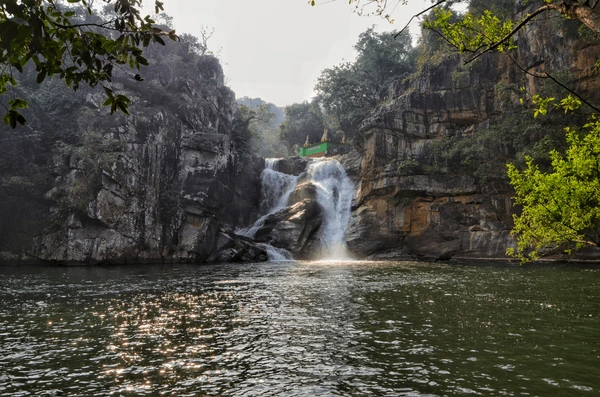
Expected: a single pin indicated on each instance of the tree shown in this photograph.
(501, 8)
(73, 42)
(302, 120)
(264, 121)
(350, 91)
(561, 208)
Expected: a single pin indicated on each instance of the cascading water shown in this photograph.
(276, 188)
(334, 193)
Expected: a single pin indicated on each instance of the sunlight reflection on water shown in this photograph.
(324, 328)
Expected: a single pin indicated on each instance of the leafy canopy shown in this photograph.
(472, 33)
(350, 91)
(560, 207)
(302, 120)
(70, 41)
(486, 26)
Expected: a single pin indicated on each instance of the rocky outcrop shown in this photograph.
(410, 203)
(164, 185)
(231, 247)
(293, 228)
(403, 209)
(304, 190)
(292, 165)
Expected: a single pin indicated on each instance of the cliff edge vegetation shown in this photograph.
(432, 170)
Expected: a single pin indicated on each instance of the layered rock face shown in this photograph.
(177, 180)
(411, 204)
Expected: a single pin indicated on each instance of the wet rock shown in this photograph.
(292, 165)
(293, 228)
(230, 247)
(305, 190)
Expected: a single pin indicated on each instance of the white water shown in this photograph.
(276, 188)
(334, 192)
(277, 254)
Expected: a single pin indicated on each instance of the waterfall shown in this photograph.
(276, 188)
(334, 193)
(277, 254)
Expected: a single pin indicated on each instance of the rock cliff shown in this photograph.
(163, 185)
(414, 201)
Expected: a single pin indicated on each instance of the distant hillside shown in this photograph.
(266, 140)
(254, 103)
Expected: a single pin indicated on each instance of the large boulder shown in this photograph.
(303, 191)
(230, 247)
(293, 228)
(292, 165)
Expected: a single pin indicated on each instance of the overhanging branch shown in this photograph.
(510, 34)
(418, 15)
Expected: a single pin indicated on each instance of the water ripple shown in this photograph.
(299, 329)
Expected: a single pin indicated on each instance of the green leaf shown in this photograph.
(21, 119)
(12, 118)
(41, 76)
(561, 207)
(123, 107)
(18, 103)
(159, 39)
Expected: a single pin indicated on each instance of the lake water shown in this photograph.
(300, 329)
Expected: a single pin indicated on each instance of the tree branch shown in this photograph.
(417, 16)
(546, 75)
(510, 34)
(83, 25)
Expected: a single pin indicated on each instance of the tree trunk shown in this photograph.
(587, 12)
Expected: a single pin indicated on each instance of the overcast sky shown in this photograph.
(276, 49)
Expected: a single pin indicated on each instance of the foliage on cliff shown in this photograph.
(264, 120)
(561, 207)
(556, 192)
(350, 91)
(74, 43)
(302, 120)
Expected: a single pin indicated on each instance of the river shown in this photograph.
(300, 329)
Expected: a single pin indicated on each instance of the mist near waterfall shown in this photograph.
(334, 193)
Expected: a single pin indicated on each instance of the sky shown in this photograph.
(276, 49)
